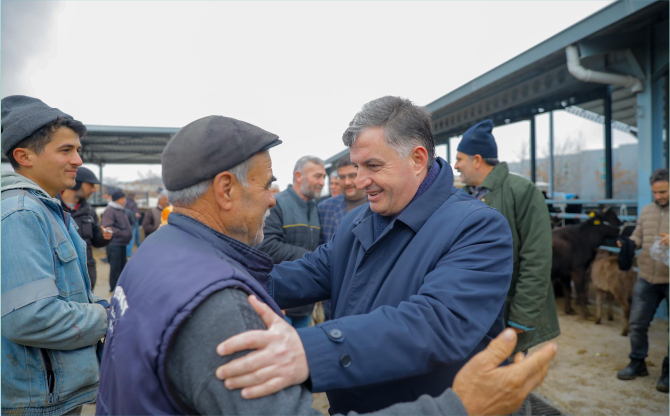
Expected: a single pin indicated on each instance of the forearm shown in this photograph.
(303, 281)
(281, 251)
(56, 324)
(447, 403)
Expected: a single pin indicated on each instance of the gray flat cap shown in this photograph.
(208, 146)
(23, 116)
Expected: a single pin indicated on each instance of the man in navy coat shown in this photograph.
(417, 277)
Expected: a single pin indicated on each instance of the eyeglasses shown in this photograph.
(351, 176)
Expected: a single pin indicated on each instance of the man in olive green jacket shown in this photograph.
(530, 307)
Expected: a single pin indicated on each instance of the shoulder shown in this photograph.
(23, 205)
(461, 207)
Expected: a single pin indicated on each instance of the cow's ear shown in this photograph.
(606, 209)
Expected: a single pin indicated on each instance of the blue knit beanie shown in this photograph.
(478, 140)
(23, 116)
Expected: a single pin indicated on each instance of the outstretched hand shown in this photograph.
(487, 389)
(279, 359)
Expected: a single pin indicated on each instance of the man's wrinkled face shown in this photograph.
(347, 176)
(386, 178)
(257, 198)
(660, 191)
(466, 166)
(313, 179)
(163, 201)
(55, 169)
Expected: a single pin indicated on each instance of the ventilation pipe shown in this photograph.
(587, 75)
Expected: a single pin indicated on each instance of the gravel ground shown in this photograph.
(582, 379)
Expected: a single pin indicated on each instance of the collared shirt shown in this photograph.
(380, 222)
(478, 192)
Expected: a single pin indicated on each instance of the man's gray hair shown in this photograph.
(659, 175)
(300, 164)
(333, 174)
(187, 196)
(405, 125)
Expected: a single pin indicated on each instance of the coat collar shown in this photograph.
(258, 264)
(416, 213)
(496, 177)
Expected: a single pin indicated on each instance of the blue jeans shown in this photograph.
(134, 240)
(299, 321)
(646, 298)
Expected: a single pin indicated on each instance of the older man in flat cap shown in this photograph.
(185, 290)
(51, 324)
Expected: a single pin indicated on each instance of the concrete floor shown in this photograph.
(582, 379)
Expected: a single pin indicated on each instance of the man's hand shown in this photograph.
(106, 233)
(278, 362)
(486, 389)
(618, 243)
(665, 240)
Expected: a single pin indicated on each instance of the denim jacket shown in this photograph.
(50, 323)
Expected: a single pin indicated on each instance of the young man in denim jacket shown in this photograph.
(51, 323)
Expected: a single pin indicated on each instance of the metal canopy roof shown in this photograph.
(538, 79)
(123, 145)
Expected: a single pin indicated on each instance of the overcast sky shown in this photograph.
(298, 69)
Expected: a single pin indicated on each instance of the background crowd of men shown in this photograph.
(418, 279)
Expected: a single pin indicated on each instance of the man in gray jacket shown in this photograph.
(293, 227)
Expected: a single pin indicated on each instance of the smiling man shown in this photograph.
(50, 321)
(417, 278)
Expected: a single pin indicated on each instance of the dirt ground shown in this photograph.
(582, 378)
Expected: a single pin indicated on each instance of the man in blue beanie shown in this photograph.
(51, 322)
(529, 306)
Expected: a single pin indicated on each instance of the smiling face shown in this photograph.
(347, 175)
(257, 199)
(389, 180)
(55, 168)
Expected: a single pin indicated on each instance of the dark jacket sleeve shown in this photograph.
(150, 224)
(534, 229)
(192, 361)
(98, 240)
(274, 244)
(458, 295)
(119, 223)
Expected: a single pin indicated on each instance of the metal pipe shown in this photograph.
(587, 75)
(551, 154)
(607, 104)
(532, 150)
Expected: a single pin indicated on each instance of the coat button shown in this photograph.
(345, 360)
(336, 333)
(483, 200)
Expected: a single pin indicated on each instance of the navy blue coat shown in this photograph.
(408, 309)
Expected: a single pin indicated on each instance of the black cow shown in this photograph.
(574, 248)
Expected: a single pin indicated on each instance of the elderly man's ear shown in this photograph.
(226, 190)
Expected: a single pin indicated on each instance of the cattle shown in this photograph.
(608, 280)
(573, 249)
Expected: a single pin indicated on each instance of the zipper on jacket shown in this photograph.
(50, 374)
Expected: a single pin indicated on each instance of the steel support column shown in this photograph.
(607, 104)
(551, 154)
(532, 149)
(101, 185)
(449, 150)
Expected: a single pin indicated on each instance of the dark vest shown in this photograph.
(166, 279)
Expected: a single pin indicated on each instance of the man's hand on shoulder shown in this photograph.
(278, 362)
(487, 389)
